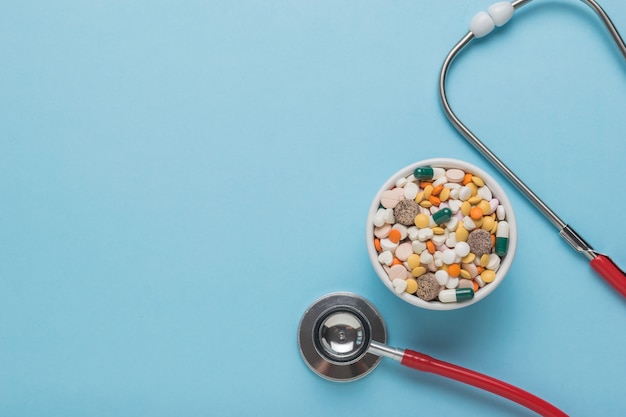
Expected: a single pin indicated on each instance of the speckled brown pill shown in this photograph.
(427, 287)
(479, 241)
(405, 212)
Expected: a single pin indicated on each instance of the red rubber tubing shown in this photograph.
(425, 363)
(608, 270)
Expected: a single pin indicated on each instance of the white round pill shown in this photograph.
(462, 249)
(494, 262)
(452, 283)
(442, 277)
(455, 175)
(398, 272)
(448, 256)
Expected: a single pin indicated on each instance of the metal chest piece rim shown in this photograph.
(335, 333)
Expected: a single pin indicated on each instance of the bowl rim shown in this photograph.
(497, 190)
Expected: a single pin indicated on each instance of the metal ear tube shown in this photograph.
(482, 24)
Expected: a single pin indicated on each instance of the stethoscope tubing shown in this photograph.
(600, 263)
(426, 363)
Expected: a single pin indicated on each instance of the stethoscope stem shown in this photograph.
(426, 363)
(600, 263)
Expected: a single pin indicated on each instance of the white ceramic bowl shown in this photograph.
(498, 193)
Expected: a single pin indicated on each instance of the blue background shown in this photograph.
(179, 180)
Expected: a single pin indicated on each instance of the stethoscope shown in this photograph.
(481, 25)
(342, 336)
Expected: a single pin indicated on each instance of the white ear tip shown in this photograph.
(481, 25)
(501, 12)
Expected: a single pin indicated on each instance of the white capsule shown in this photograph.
(503, 229)
(438, 173)
(447, 296)
(455, 295)
(412, 232)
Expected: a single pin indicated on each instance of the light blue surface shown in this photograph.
(180, 180)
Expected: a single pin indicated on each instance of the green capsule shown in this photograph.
(463, 294)
(424, 173)
(502, 238)
(442, 216)
(502, 245)
(456, 295)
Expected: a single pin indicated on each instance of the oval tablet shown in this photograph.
(455, 175)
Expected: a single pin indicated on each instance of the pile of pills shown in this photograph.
(440, 234)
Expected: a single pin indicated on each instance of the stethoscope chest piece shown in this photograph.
(335, 333)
